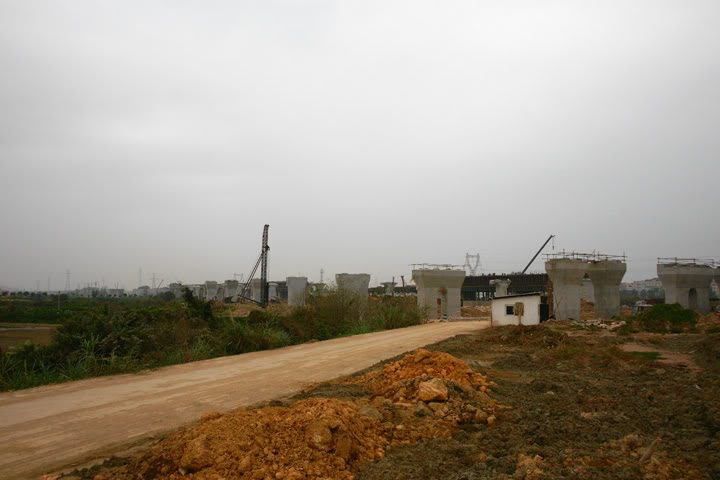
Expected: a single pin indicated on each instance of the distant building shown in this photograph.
(637, 286)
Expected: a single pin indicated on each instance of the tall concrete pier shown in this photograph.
(232, 288)
(687, 284)
(176, 289)
(439, 291)
(389, 287)
(501, 286)
(211, 290)
(566, 275)
(354, 282)
(256, 289)
(296, 290)
(606, 276)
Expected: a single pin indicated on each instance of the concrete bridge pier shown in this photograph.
(389, 287)
(211, 289)
(256, 289)
(232, 288)
(566, 275)
(501, 286)
(606, 276)
(439, 291)
(687, 284)
(296, 290)
(176, 289)
(354, 282)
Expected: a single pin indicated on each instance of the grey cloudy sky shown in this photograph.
(369, 135)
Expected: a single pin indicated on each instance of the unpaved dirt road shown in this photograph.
(53, 428)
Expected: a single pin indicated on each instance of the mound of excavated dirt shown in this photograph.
(315, 438)
(424, 395)
(397, 376)
(434, 382)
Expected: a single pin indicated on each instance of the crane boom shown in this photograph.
(538, 253)
(262, 262)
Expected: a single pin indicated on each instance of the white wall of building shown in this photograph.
(531, 306)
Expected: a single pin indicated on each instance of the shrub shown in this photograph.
(336, 311)
(300, 324)
(389, 314)
(666, 318)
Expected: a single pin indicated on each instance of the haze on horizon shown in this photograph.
(369, 135)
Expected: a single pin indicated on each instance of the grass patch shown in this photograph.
(651, 356)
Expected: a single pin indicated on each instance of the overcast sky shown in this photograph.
(369, 135)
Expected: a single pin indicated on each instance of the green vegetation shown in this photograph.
(652, 356)
(663, 318)
(666, 319)
(40, 308)
(129, 336)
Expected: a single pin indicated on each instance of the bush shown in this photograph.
(300, 324)
(666, 319)
(391, 313)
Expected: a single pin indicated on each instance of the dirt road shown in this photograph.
(52, 428)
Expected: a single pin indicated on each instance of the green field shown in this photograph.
(51, 309)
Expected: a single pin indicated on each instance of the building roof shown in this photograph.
(531, 294)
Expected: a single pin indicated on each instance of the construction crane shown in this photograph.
(538, 253)
(262, 262)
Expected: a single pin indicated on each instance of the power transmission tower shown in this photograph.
(470, 268)
(322, 272)
(153, 281)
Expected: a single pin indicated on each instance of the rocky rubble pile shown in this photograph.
(424, 395)
(434, 383)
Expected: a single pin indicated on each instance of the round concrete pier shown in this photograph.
(606, 277)
(566, 276)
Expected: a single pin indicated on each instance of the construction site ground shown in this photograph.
(59, 427)
(552, 401)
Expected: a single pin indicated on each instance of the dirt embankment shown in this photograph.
(424, 395)
(558, 406)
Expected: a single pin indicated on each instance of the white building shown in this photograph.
(520, 309)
